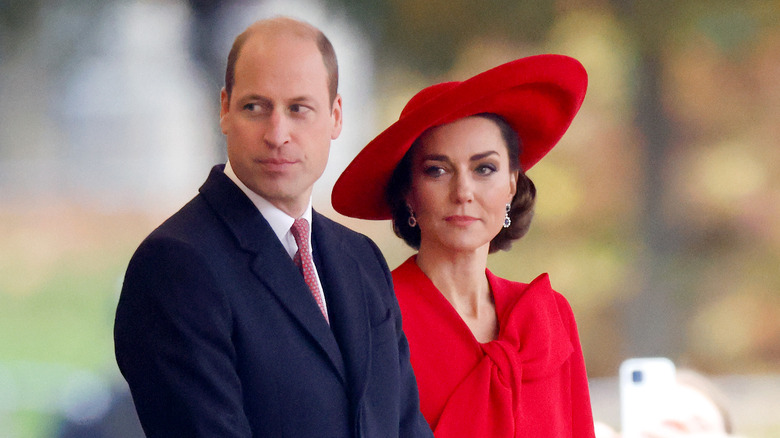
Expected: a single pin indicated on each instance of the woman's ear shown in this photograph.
(513, 175)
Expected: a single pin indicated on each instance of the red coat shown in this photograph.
(530, 382)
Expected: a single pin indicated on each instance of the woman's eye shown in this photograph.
(485, 169)
(433, 171)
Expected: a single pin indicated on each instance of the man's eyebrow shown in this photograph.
(255, 97)
(304, 99)
(301, 98)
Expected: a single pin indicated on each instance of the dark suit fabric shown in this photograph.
(218, 335)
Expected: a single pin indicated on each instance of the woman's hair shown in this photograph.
(520, 212)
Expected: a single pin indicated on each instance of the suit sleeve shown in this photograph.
(172, 337)
(412, 422)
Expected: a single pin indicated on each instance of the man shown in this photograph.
(217, 331)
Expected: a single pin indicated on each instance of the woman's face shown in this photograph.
(461, 183)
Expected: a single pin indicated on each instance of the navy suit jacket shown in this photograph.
(218, 335)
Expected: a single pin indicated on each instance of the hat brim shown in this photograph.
(538, 96)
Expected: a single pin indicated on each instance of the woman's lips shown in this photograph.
(460, 220)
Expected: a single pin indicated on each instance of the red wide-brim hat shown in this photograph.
(538, 96)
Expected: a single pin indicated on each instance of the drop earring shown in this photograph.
(507, 221)
(412, 221)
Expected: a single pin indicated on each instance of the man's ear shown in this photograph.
(224, 108)
(336, 117)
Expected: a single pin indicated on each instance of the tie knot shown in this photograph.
(300, 231)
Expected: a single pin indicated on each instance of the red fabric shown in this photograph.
(537, 95)
(530, 382)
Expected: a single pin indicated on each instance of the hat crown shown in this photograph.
(538, 97)
(425, 95)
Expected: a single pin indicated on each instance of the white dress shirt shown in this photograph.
(280, 221)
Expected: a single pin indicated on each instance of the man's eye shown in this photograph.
(254, 107)
(300, 109)
(297, 108)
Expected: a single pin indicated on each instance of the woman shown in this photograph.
(492, 357)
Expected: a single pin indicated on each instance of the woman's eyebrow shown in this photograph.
(435, 157)
(442, 157)
(478, 157)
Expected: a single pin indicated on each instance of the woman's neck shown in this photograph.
(454, 273)
(461, 278)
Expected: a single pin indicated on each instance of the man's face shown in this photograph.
(279, 120)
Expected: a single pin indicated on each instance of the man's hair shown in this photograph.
(521, 208)
(296, 27)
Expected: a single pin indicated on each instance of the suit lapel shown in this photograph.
(346, 297)
(271, 264)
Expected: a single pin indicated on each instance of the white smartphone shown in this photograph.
(646, 383)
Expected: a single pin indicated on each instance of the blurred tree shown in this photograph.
(656, 315)
(40, 42)
(652, 321)
(206, 15)
(429, 35)
(17, 15)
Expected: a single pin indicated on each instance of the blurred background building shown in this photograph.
(658, 213)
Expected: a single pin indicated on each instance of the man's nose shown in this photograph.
(277, 130)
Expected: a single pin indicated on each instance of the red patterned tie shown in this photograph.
(303, 260)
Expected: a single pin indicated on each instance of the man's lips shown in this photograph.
(276, 163)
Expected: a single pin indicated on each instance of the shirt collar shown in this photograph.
(280, 221)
